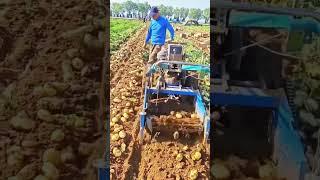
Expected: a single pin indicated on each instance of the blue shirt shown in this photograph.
(157, 31)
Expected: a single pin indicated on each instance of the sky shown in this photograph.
(202, 4)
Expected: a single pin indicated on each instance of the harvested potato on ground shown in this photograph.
(193, 174)
(122, 134)
(116, 152)
(178, 115)
(179, 157)
(176, 135)
(196, 156)
(41, 177)
(220, 172)
(123, 147)
(53, 156)
(50, 171)
(57, 135)
(77, 63)
(115, 137)
(44, 115)
(115, 120)
(193, 116)
(29, 171)
(67, 154)
(22, 122)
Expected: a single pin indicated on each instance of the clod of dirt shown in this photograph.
(67, 71)
(50, 103)
(29, 143)
(60, 86)
(73, 52)
(15, 178)
(67, 155)
(28, 172)
(85, 149)
(45, 91)
(220, 172)
(53, 156)
(92, 42)
(15, 156)
(57, 135)
(77, 63)
(45, 115)
(22, 122)
(266, 171)
(50, 171)
(41, 177)
(77, 33)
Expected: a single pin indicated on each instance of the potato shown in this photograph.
(123, 119)
(176, 135)
(85, 148)
(67, 154)
(115, 137)
(77, 63)
(57, 135)
(193, 116)
(79, 123)
(178, 115)
(193, 174)
(73, 52)
(44, 115)
(196, 156)
(115, 120)
(219, 171)
(29, 171)
(51, 155)
(123, 147)
(266, 171)
(117, 100)
(179, 157)
(126, 115)
(185, 148)
(15, 178)
(122, 134)
(116, 152)
(128, 104)
(22, 122)
(67, 71)
(50, 171)
(41, 177)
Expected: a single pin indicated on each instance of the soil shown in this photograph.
(39, 41)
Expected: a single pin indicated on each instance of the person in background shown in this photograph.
(157, 33)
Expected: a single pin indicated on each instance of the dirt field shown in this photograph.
(50, 64)
(160, 157)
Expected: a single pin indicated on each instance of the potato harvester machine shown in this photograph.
(172, 79)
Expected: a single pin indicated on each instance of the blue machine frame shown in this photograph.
(176, 90)
(288, 150)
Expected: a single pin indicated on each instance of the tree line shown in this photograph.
(141, 9)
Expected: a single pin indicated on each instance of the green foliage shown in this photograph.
(195, 13)
(130, 6)
(206, 14)
(121, 30)
(117, 7)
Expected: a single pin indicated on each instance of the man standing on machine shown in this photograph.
(157, 33)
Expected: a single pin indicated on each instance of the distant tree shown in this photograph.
(206, 14)
(117, 8)
(184, 12)
(195, 13)
(130, 6)
(163, 10)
